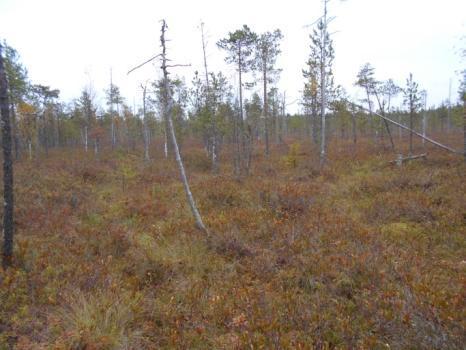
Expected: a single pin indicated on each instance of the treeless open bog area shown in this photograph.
(223, 196)
(360, 255)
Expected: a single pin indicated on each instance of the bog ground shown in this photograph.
(364, 254)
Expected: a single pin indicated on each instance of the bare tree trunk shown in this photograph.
(284, 125)
(85, 138)
(323, 87)
(8, 196)
(314, 126)
(211, 109)
(15, 131)
(165, 144)
(168, 115)
(96, 147)
(145, 128)
(112, 117)
(387, 127)
(241, 132)
(236, 141)
(265, 112)
(449, 108)
(424, 120)
(464, 127)
(413, 132)
(411, 117)
(400, 130)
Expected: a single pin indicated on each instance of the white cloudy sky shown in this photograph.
(67, 43)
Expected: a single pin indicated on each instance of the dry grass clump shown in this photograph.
(105, 320)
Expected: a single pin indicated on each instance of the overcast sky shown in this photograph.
(67, 43)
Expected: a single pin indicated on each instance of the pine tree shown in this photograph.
(412, 99)
(319, 88)
(267, 49)
(239, 46)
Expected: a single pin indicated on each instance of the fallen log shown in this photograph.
(438, 144)
(399, 161)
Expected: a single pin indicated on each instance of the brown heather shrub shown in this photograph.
(359, 255)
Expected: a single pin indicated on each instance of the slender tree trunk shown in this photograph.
(145, 128)
(411, 112)
(15, 131)
(211, 109)
(168, 115)
(449, 108)
(112, 117)
(283, 125)
(384, 121)
(323, 87)
(165, 143)
(265, 110)
(371, 118)
(413, 132)
(464, 127)
(96, 147)
(314, 125)
(86, 138)
(240, 130)
(8, 196)
(424, 121)
(400, 130)
(30, 149)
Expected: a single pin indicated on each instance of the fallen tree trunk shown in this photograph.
(399, 161)
(438, 144)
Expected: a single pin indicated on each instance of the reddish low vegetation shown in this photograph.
(361, 255)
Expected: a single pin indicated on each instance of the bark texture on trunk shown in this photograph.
(8, 226)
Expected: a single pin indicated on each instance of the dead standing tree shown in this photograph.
(8, 200)
(167, 110)
(145, 126)
(213, 147)
(323, 85)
